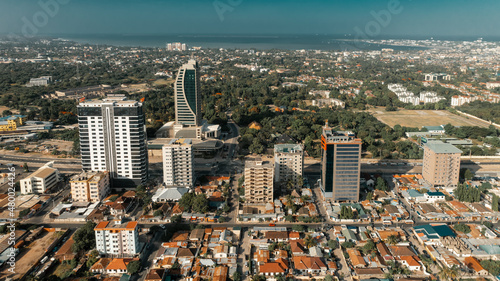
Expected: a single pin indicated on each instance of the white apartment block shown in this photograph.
(113, 138)
(178, 161)
(117, 238)
(90, 186)
(288, 163)
(259, 183)
(409, 97)
(40, 181)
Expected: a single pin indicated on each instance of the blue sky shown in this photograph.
(418, 17)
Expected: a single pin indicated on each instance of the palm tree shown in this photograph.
(392, 240)
(448, 273)
(289, 201)
(309, 241)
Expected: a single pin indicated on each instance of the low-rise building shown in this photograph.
(90, 186)
(40, 181)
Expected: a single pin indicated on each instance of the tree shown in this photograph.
(84, 238)
(369, 247)
(298, 228)
(186, 201)
(309, 241)
(468, 175)
(158, 213)
(462, 228)
(176, 218)
(93, 258)
(200, 203)
(448, 273)
(26, 168)
(369, 196)
(328, 277)
(333, 244)
(133, 267)
(348, 244)
(392, 240)
(236, 276)
(494, 202)
(488, 224)
(381, 184)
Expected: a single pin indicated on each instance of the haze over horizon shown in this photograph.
(413, 18)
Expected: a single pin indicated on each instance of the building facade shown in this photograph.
(259, 183)
(41, 180)
(187, 95)
(288, 163)
(341, 165)
(117, 238)
(178, 161)
(113, 138)
(90, 186)
(441, 165)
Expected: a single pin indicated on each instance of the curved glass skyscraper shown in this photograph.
(187, 96)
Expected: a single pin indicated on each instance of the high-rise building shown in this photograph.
(177, 46)
(187, 95)
(441, 165)
(89, 186)
(340, 170)
(259, 185)
(113, 138)
(117, 238)
(178, 161)
(288, 163)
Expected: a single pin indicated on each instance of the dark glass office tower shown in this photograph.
(340, 169)
(187, 95)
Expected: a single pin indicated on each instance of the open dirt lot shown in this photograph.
(419, 118)
(28, 256)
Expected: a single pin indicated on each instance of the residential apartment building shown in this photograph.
(341, 165)
(113, 138)
(441, 165)
(288, 163)
(187, 95)
(117, 238)
(40, 181)
(90, 186)
(258, 182)
(11, 123)
(178, 161)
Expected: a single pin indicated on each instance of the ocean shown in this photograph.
(259, 42)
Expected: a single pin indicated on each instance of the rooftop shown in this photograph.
(106, 225)
(287, 148)
(441, 147)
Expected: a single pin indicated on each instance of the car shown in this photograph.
(272, 224)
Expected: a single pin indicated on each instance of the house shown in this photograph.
(221, 251)
(276, 236)
(155, 274)
(433, 197)
(121, 206)
(297, 247)
(197, 234)
(100, 265)
(384, 251)
(271, 269)
(356, 258)
(412, 262)
(261, 256)
(220, 273)
(309, 265)
(473, 263)
(65, 253)
(119, 266)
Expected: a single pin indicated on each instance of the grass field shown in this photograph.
(419, 118)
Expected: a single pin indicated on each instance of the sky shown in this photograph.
(374, 17)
